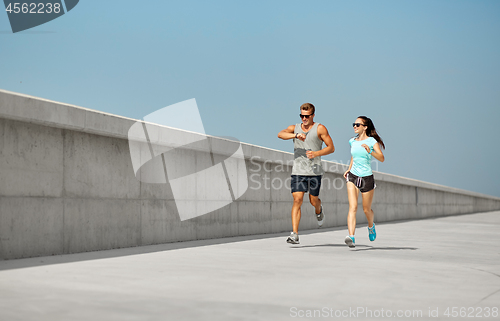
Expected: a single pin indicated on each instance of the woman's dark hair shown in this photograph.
(371, 131)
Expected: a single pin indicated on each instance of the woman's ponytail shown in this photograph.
(371, 131)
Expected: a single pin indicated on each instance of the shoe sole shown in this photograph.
(289, 240)
(349, 242)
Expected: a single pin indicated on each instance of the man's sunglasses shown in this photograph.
(357, 124)
(304, 116)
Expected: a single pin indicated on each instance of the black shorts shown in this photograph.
(309, 184)
(365, 184)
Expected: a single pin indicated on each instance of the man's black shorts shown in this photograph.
(309, 184)
(365, 184)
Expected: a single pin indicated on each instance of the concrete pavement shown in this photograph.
(421, 269)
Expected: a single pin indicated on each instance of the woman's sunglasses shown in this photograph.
(357, 124)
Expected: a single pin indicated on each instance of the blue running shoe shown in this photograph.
(349, 240)
(372, 234)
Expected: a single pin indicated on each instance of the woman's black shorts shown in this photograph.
(365, 184)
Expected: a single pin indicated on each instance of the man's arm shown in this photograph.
(325, 137)
(288, 133)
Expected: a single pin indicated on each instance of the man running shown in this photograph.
(308, 138)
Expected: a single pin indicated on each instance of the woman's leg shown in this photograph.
(352, 196)
(367, 206)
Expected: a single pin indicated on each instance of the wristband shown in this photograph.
(296, 135)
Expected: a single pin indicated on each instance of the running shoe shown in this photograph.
(293, 238)
(372, 234)
(349, 240)
(320, 217)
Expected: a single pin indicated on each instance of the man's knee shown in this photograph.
(298, 198)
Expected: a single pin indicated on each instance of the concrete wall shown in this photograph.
(67, 185)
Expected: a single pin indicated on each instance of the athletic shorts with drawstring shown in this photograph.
(365, 184)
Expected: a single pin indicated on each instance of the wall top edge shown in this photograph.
(32, 109)
(62, 104)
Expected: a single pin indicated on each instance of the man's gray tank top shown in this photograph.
(301, 164)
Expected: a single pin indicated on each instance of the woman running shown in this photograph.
(359, 176)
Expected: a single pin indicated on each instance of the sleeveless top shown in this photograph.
(301, 164)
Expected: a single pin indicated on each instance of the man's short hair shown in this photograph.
(307, 106)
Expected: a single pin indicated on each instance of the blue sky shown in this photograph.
(426, 72)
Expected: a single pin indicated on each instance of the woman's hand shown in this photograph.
(368, 150)
(345, 174)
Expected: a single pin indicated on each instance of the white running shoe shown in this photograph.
(320, 217)
(293, 238)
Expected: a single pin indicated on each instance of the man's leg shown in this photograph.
(316, 202)
(298, 198)
(314, 187)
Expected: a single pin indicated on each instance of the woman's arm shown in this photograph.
(377, 153)
(350, 166)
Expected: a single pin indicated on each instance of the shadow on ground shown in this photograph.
(105, 254)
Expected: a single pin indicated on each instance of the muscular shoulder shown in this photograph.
(322, 129)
